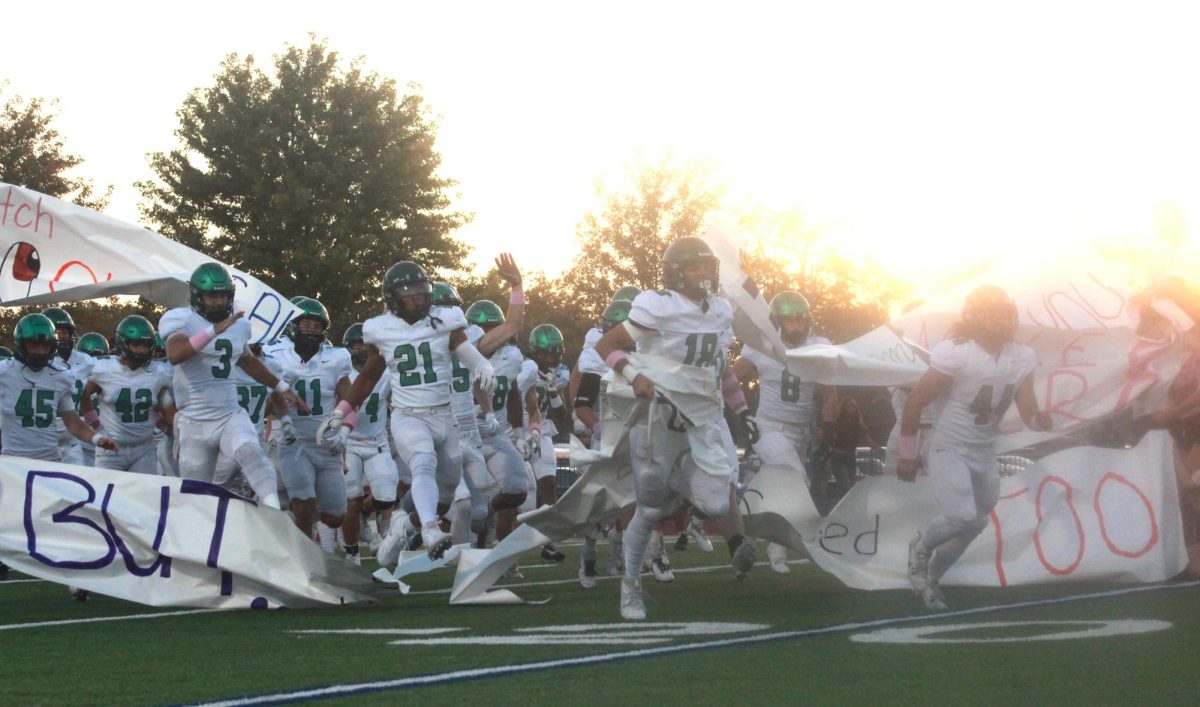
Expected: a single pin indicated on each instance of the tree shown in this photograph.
(33, 155)
(623, 243)
(314, 179)
(849, 297)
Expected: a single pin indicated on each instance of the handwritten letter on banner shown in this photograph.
(163, 541)
(55, 251)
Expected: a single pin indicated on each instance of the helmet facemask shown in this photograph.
(309, 337)
(411, 301)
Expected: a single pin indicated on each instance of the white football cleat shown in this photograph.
(932, 596)
(355, 559)
(633, 607)
(777, 554)
(696, 530)
(388, 552)
(436, 540)
(660, 567)
(918, 566)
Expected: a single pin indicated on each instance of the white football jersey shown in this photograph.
(983, 389)
(202, 385)
(315, 381)
(128, 398)
(591, 337)
(373, 413)
(417, 355)
(782, 397)
(79, 365)
(30, 403)
(562, 377)
(508, 364)
(675, 328)
(253, 396)
(462, 398)
(590, 362)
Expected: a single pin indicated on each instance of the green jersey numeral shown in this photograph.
(134, 405)
(35, 414)
(409, 358)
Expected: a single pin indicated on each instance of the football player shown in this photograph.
(260, 403)
(590, 368)
(413, 342)
(550, 390)
(130, 393)
(79, 365)
(368, 456)
(973, 378)
(785, 403)
(320, 376)
(685, 322)
(504, 459)
(204, 342)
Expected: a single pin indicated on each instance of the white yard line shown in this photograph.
(336, 691)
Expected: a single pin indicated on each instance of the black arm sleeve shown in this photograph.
(589, 391)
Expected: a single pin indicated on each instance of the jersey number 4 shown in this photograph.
(982, 408)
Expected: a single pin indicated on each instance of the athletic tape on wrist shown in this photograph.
(201, 338)
(517, 296)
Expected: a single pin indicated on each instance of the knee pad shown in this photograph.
(252, 456)
(380, 506)
(423, 464)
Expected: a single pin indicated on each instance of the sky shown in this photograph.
(924, 135)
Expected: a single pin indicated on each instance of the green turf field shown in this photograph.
(709, 639)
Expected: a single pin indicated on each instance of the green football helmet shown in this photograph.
(680, 255)
(353, 334)
(212, 279)
(289, 329)
(615, 314)
(626, 293)
(353, 340)
(35, 328)
(791, 307)
(93, 344)
(485, 313)
(444, 295)
(160, 348)
(136, 330)
(5, 353)
(408, 291)
(307, 344)
(62, 321)
(546, 346)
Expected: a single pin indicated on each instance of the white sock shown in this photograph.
(637, 537)
(326, 537)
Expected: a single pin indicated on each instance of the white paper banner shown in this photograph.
(163, 541)
(1079, 514)
(55, 251)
